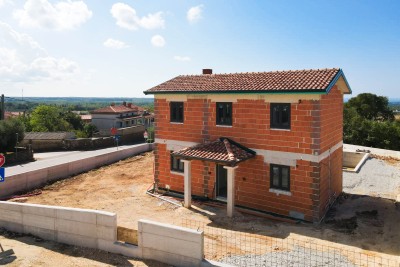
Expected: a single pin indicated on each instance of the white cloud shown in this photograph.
(127, 18)
(157, 41)
(116, 44)
(180, 58)
(195, 13)
(64, 15)
(23, 59)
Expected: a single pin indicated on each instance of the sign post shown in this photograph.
(2, 174)
(2, 159)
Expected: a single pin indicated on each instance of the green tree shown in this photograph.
(368, 121)
(48, 119)
(73, 119)
(8, 133)
(371, 107)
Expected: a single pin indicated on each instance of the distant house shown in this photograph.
(122, 116)
(86, 118)
(267, 141)
(9, 114)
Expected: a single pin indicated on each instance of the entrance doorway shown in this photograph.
(222, 182)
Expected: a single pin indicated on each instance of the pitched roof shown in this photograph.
(223, 150)
(116, 109)
(49, 135)
(319, 80)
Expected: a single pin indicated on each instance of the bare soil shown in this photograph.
(365, 224)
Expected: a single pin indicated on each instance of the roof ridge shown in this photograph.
(257, 72)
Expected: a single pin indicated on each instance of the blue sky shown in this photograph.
(110, 48)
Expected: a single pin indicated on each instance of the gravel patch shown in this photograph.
(297, 256)
(375, 178)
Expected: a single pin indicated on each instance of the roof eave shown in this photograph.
(335, 79)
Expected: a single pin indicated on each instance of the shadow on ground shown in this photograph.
(365, 222)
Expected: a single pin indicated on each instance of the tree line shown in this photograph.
(369, 121)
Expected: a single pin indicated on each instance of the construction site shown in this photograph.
(361, 228)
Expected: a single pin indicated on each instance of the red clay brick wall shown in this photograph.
(253, 184)
(331, 119)
(252, 115)
(315, 127)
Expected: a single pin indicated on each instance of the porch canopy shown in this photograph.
(223, 151)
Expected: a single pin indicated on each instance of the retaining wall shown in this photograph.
(98, 229)
(22, 182)
(81, 227)
(174, 245)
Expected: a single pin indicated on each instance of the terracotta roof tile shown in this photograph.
(222, 150)
(117, 109)
(299, 80)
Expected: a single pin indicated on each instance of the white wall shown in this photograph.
(174, 245)
(170, 244)
(81, 227)
(26, 181)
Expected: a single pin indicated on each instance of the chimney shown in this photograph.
(129, 105)
(207, 71)
(112, 104)
(124, 103)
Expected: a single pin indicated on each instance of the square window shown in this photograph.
(176, 164)
(224, 113)
(280, 177)
(280, 115)
(176, 109)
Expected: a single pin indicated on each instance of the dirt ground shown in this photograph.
(361, 223)
(33, 251)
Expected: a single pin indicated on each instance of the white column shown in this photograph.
(231, 190)
(187, 183)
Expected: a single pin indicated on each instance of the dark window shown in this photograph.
(224, 113)
(176, 111)
(280, 115)
(176, 164)
(280, 177)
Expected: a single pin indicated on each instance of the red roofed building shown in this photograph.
(122, 116)
(268, 141)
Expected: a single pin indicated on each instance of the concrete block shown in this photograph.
(77, 240)
(11, 206)
(11, 216)
(40, 232)
(120, 248)
(173, 245)
(106, 218)
(12, 226)
(107, 233)
(78, 215)
(173, 259)
(36, 178)
(38, 221)
(42, 210)
(77, 228)
(172, 231)
(56, 172)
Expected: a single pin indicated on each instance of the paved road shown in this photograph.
(55, 158)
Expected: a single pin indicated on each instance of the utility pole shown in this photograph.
(2, 107)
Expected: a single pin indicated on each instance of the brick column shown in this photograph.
(187, 183)
(230, 205)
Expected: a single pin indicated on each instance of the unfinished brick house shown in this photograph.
(267, 141)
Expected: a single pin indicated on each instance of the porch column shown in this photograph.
(187, 183)
(231, 190)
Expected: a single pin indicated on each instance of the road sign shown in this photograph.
(117, 137)
(2, 160)
(2, 174)
(114, 131)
